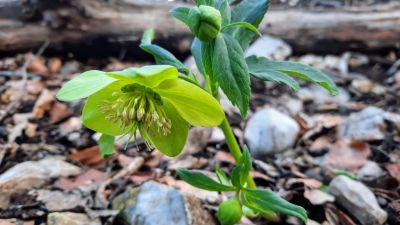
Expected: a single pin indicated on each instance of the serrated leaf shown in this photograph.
(205, 2)
(160, 55)
(242, 24)
(202, 181)
(250, 11)
(293, 69)
(181, 13)
(225, 10)
(267, 201)
(196, 52)
(106, 145)
(230, 69)
(230, 211)
(262, 72)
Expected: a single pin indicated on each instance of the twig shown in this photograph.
(13, 105)
(131, 168)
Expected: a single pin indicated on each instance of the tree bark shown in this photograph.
(26, 25)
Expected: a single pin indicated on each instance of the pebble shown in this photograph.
(370, 171)
(358, 200)
(69, 218)
(154, 203)
(364, 125)
(269, 47)
(319, 96)
(269, 131)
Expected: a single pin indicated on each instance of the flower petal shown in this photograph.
(84, 85)
(193, 103)
(149, 76)
(93, 118)
(173, 143)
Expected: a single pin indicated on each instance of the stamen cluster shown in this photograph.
(137, 108)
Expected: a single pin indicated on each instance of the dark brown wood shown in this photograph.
(78, 21)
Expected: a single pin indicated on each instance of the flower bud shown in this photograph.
(205, 22)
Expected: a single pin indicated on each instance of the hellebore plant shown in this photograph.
(161, 102)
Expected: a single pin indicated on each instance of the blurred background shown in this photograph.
(338, 157)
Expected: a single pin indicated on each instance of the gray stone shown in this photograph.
(269, 47)
(370, 171)
(358, 200)
(31, 174)
(69, 218)
(156, 204)
(364, 126)
(270, 131)
(320, 96)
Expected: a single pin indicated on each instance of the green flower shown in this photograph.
(151, 100)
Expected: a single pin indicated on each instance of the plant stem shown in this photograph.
(234, 147)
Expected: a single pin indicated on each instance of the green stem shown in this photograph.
(234, 147)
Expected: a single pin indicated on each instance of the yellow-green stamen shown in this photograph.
(137, 108)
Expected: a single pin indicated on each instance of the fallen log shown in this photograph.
(81, 23)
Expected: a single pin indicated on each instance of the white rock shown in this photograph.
(270, 131)
(365, 125)
(358, 200)
(269, 47)
(370, 171)
(320, 96)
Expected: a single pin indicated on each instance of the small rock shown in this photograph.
(270, 131)
(319, 96)
(69, 126)
(37, 66)
(365, 125)
(69, 218)
(363, 86)
(154, 203)
(358, 200)
(370, 171)
(270, 47)
(31, 174)
(60, 201)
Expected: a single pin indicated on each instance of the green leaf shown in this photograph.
(243, 24)
(250, 11)
(230, 69)
(196, 52)
(181, 13)
(106, 145)
(294, 69)
(339, 172)
(223, 179)
(202, 181)
(262, 72)
(161, 55)
(225, 10)
(267, 201)
(205, 2)
(207, 54)
(84, 85)
(242, 169)
(230, 211)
